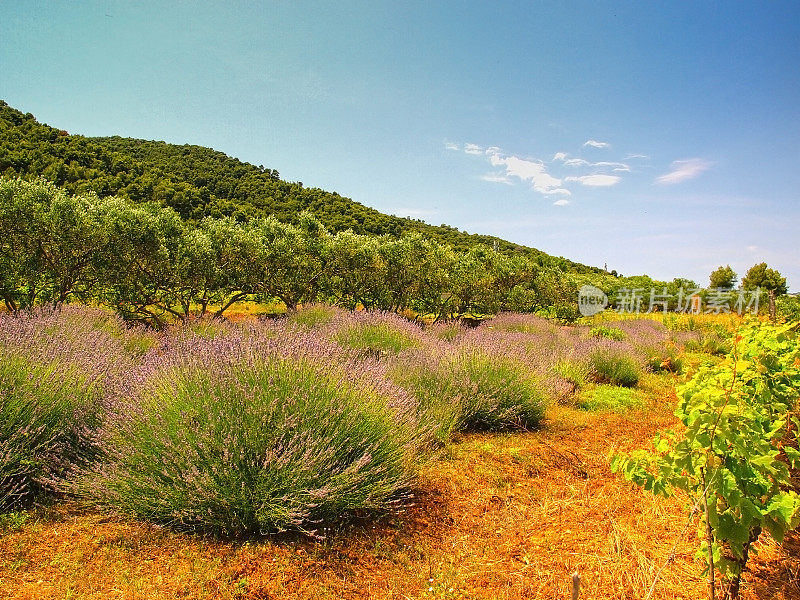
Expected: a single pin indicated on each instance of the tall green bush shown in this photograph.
(258, 446)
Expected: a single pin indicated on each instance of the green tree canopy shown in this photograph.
(761, 276)
(723, 278)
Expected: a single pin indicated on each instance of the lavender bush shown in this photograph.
(313, 315)
(48, 413)
(654, 343)
(566, 358)
(255, 433)
(573, 371)
(614, 365)
(522, 323)
(464, 389)
(611, 333)
(441, 393)
(375, 333)
(710, 342)
(448, 331)
(504, 393)
(541, 347)
(55, 366)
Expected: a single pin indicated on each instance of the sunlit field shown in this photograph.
(336, 454)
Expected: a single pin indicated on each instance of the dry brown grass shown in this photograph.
(498, 516)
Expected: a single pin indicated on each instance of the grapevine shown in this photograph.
(735, 453)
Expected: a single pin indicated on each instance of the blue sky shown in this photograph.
(655, 137)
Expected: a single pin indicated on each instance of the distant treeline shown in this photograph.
(151, 265)
(199, 182)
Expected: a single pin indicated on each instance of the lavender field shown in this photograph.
(291, 424)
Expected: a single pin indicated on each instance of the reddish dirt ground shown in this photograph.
(497, 516)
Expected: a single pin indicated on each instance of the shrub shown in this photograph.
(614, 366)
(95, 339)
(48, 415)
(135, 340)
(375, 338)
(611, 333)
(56, 367)
(521, 323)
(138, 341)
(576, 372)
(788, 308)
(466, 389)
(204, 328)
(312, 315)
(525, 339)
(711, 343)
(256, 444)
(503, 394)
(449, 331)
(693, 345)
(438, 390)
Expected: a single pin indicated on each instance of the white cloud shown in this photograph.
(576, 162)
(451, 146)
(509, 168)
(752, 248)
(630, 156)
(496, 159)
(496, 178)
(561, 202)
(570, 162)
(473, 149)
(620, 167)
(683, 170)
(596, 144)
(596, 180)
(533, 172)
(580, 162)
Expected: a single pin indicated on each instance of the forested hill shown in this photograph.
(199, 182)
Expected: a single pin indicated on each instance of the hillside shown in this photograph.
(199, 182)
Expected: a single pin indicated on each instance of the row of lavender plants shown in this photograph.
(265, 426)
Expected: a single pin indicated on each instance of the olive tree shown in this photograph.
(48, 246)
